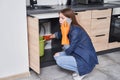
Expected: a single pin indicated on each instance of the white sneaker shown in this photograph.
(77, 76)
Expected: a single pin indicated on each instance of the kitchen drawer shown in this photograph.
(100, 26)
(100, 42)
(101, 13)
(84, 19)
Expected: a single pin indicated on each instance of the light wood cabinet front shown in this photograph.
(33, 44)
(101, 13)
(97, 25)
(84, 19)
(113, 45)
(100, 42)
(100, 26)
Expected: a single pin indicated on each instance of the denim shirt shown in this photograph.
(81, 48)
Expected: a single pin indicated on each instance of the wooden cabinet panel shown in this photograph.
(100, 42)
(84, 19)
(101, 13)
(100, 26)
(97, 25)
(113, 45)
(33, 44)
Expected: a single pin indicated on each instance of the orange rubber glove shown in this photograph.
(65, 27)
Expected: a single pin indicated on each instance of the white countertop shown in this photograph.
(46, 15)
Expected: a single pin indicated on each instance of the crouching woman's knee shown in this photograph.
(58, 60)
(57, 55)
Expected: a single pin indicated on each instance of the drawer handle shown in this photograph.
(102, 18)
(103, 9)
(76, 13)
(100, 35)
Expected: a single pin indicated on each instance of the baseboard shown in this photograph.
(108, 51)
(13, 77)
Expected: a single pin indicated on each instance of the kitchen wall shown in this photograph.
(13, 38)
(105, 1)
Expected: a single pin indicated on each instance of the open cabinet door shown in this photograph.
(33, 44)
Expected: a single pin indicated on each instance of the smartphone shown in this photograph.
(69, 20)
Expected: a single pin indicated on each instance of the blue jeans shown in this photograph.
(66, 61)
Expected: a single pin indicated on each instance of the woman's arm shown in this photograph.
(57, 35)
(74, 42)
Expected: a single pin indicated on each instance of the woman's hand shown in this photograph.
(52, 36)
(65, 27)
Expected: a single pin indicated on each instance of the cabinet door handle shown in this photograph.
(102, 18)
(76, 13)
(100, 35)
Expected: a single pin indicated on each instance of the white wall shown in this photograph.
(110, 0)
(13, 38)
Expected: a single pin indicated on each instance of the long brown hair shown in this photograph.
(70, 14)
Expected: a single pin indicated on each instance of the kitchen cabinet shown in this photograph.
(100, 27)
(35, 27)
(95, 22)
(33, 43)
(84, 19)
(33, 37)
(97, 25)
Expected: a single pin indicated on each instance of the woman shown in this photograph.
(79, 54)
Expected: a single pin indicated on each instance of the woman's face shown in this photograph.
(62, 18)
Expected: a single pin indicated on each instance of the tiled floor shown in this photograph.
(108, 69)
